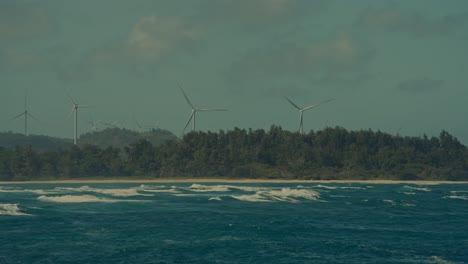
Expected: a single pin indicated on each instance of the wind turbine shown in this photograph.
(25, 113)
(94, 124)
(75, 110)
(194, 111)
(301, 111)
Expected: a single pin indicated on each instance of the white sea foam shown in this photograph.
(455, 192)
(80, 199)
(157, 189)
(207, 188)
(215, 198)
(390, 202)
(339, 187)
(409, 193)
(438, 260)
(456, 197)
(417, 188)
(14, 190)
(283, 195)
(11, 209)
(113, 192)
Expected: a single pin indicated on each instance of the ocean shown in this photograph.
(233, 223)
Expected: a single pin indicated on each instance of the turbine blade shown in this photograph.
(186, 97)
(73, 110)
(85, 106)
(210, 110)
(293, 104)
(315, 105)
(188, 122)
(71, 99)
(33, 117)
(15, 117)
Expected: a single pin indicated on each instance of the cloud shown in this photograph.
(255, 15)
(20, 60)
(412, 23)
(420, 85)
(150, 40)
(338, 59)
(20, 21)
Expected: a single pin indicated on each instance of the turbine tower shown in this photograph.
(194, 111)
(301, 111)
(25, 113)
(75, 111)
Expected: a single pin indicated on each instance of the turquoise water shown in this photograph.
(233, 223)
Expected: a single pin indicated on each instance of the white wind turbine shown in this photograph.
(301, 111)
(25, 113)
(75, 110)
(194, 111)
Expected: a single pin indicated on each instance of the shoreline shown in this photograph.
(218, 180)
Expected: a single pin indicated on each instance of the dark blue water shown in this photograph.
(233, 223)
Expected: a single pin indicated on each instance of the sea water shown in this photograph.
(233, 223)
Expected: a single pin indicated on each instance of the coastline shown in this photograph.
(220, 180)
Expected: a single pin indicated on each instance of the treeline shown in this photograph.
(333, 153)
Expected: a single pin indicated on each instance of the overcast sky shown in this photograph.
(389, 65)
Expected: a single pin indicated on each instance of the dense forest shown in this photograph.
(329, 154)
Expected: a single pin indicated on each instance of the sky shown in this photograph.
(395, 66)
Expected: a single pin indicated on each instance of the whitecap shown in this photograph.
(417, 188)
(207, 188)
(157, 189)
(215, 198)
(36, 191)
(456, 197)
(390, 202)
(339, 187)
(438, 260)
(113, 192)
(11, 209)
(283, 195)
(80, 199)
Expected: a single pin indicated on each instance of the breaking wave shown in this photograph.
(112, 192)
(422, 189)
(14, 190)
(339, 187)
(224, 188)
(456, 197)
(11, 209)
(283, 195)
(157, 189)
(80, 199)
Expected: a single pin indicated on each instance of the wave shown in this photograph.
(157, 189)
(14, 190)
(112, 192)
(339, 187)
(224, 188)
(215, 198)
(80, 199)
(417, 188)
(283, 195)
(11, 209)
(456, 197)
(438, 260)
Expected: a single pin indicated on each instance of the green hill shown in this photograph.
(10, 140)
(110, 137)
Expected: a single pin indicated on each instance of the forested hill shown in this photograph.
(330, 154)
(110, 137)
(121, 137)
(10, 140)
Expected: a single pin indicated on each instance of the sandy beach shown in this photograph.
(217, 180)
